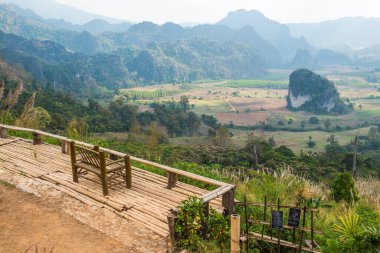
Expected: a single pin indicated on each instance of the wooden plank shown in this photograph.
(217, 193)
(274, 240)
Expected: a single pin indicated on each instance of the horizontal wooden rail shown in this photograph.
(120, 154)
(287, 227)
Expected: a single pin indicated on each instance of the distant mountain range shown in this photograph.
(101, 54)
(50, 9)
(354, 32)
(277, 34)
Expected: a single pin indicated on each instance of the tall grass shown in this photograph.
(369, 191)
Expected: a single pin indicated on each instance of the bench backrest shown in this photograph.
(88, 156)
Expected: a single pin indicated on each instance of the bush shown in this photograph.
(343, 188)
(311, 144)
(313, 120)
(191, 216)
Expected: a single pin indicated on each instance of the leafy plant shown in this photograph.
(349, 227)
(192, 223)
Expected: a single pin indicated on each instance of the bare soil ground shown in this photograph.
(28, 223)
(35, 213)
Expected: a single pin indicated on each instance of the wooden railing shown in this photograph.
(225, 190)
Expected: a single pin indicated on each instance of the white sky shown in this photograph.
(209, 11)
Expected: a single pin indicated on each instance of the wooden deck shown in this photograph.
(148, 202)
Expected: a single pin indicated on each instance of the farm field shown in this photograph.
(245, 105)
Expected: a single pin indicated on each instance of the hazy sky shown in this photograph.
(286, 11)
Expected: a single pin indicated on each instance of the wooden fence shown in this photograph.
(225, 190)
(297, 224)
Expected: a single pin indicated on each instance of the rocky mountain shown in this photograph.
(274, 32)
(355, 32)
(145, 33)
(310, 92)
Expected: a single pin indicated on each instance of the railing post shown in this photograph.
(3, 132)
(36, 138)
(73, 161)
(235, 233)
(172, 219)
(172, 180)
(228, 202)
(128, 171)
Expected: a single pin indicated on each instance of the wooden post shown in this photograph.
(96, 148)
(206, 214)
(128, 171)
(278, 230)
(302, 231)
(65, 147)
(235, 233)
(312, 229)
(172, 180)
(3, 132)
(172, 219)
(36, 138)
(265, 216)
(228, 202)
(103, 172)
(246, 221)
(73, 161)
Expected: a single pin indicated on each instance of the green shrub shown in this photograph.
(191, 224)
(343, 188)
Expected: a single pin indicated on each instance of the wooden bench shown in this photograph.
(93, 160)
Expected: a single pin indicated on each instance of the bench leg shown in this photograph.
(103, 173)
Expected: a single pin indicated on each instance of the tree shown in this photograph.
(222, 136)
(184, 102)
(313, 120)
(343, 188)
(327, 124)
(372, 133)
(331, 139)
(272, 142)
(311, 144)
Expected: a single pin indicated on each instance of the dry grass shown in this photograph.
(369, 191)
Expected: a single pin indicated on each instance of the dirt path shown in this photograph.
(27, 221)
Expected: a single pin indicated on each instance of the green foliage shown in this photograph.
(311, 144)
(313, 120)
(343, 188)
(191, 218)
(349, 227)
(270, 84)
